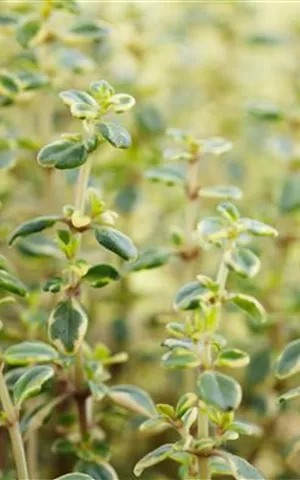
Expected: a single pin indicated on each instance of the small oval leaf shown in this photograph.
(97, 471)
(233, 358)
(226, 192)
(116, 135)
(10, 283)
(288, 362)
(219, 390)
(100, 275)
(133, 398)
(241, 469)
(31, 383)
(116, 242)
(191, 295)
(242, 261)
(29, 352)
(75, 476)
(63, 154)
(67, 326)
(156, 456)
(293, 393)
(250, 305)
(33, 226)
(152, 257)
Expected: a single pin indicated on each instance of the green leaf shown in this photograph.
(219, 390)
(191, 295)
(122, 102)
(257, 228)
(245, 428)
(98, 391)
(288, 362)
(233, 358)
(169, 175)
(13, 375)
(154, 424)
(62, 446)
(31, 382)
(53, 285)
(150, 119)
(290, 195)
(25, 353)
(116, 135)
(32, 80)
(116, 242)
(218, 466)
(249, 305)
(185, 402)
(75, 476)
(152, 257)
(10, 283)
(228, 211)
(259, 367)
(33, 226)
(243, 262)
(98, 471)
(38, 245)
(156, 456)
(100, 275)
(87, 30)
(133, 398)
(264, 110)
(289, 395)
(166, 410)
(63, 154)
(7, 152)
(226, 192)
(180, 358)
(216, 146)
(8, 19)
(67, 326)
(101, 90)
(9, 84)
(68, 5)
(212, 230)
(189, 418)
(241, 469)
(81, 104)
(27, 30)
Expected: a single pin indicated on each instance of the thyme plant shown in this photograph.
(204, 418)
(67, 356)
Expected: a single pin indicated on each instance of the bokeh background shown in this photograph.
(214, 68)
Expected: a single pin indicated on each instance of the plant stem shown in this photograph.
(191, 209)
(203, 422)
(14, 430)
(79, 379)
(190, 223)
(32, 454)
(82, 183)
(222, 276)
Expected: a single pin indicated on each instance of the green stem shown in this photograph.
(190, 223)
(79, 379)
(32, 454)
(14, 430)
(221, 279)
(203, 422)
(82, 183)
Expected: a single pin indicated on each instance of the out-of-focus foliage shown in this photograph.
(226, 74)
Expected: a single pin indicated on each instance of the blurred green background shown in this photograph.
(214, 68)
